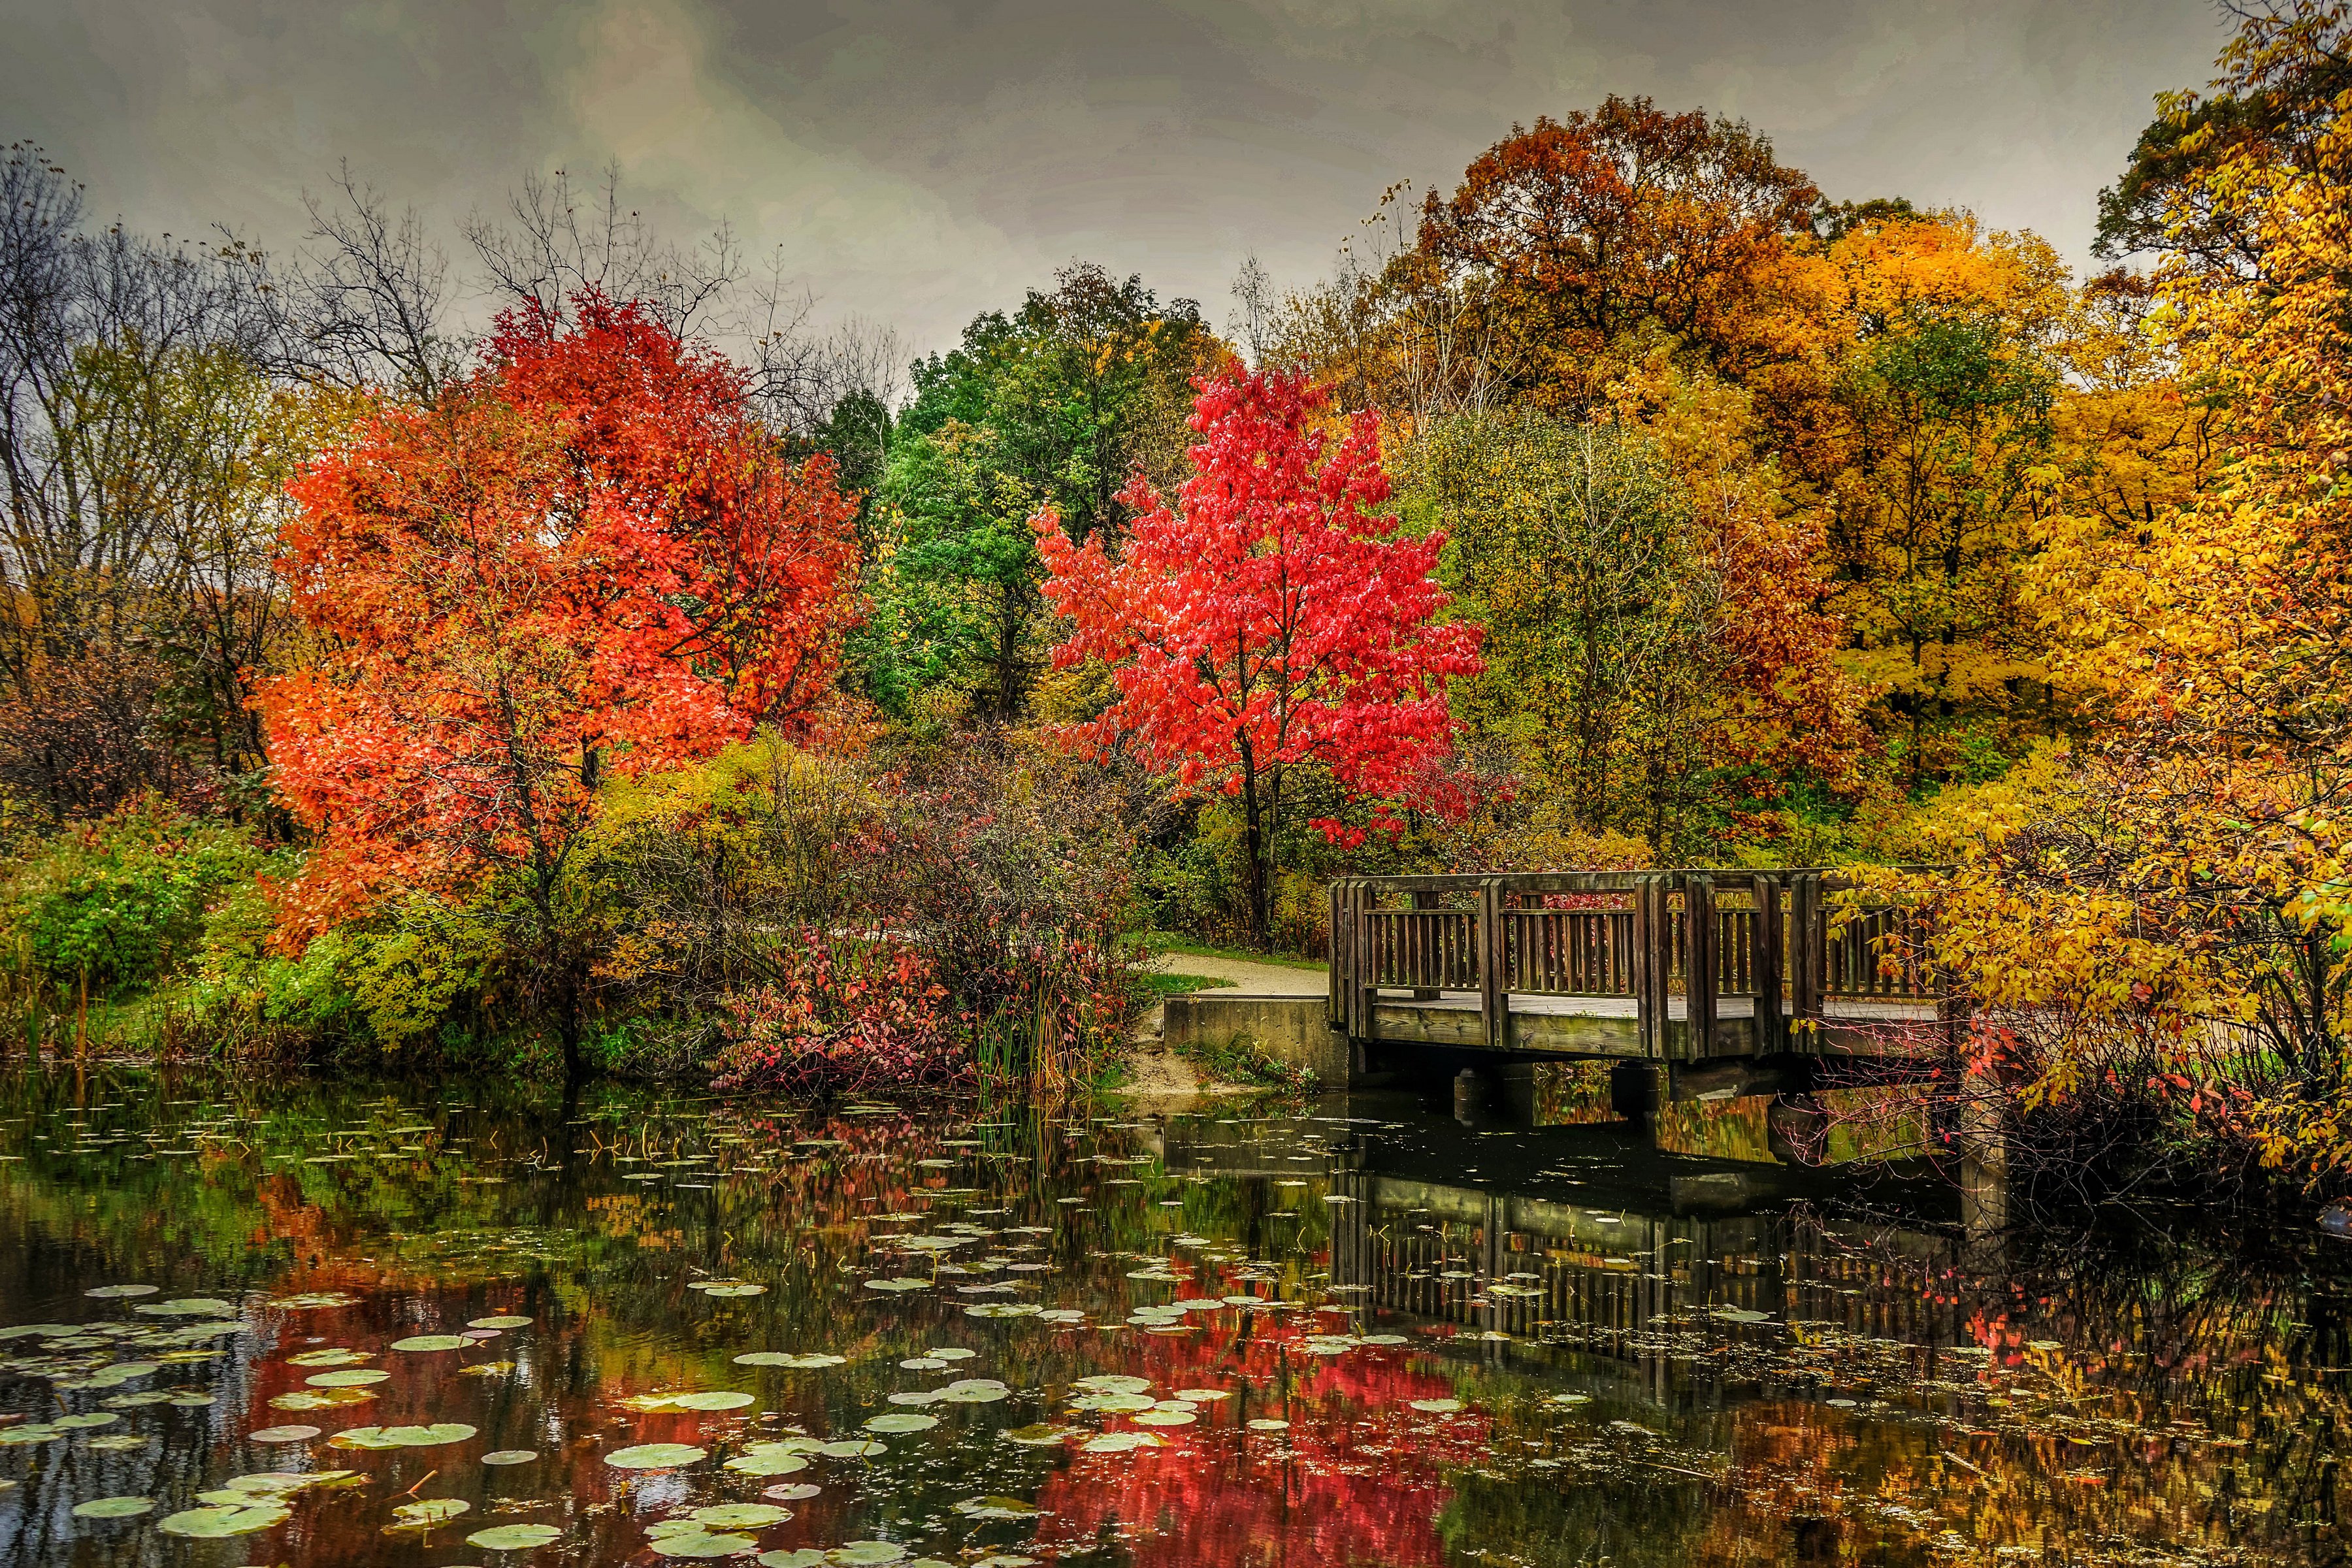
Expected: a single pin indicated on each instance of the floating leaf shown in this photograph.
(768, 1462)
(509, 1456)
(319, 1399)
(975, 1391)
(1120, 1442)
(996, 1508)
(1267, 1424)
(282, 1434)
(498, 1324)
(486, 1369)
(799, 1557)
(432, 1342)
(866, 1554)
(515, 1537)
(401, 1437)
(741, 1515)
(701, 1543)
(187, 1307)
(1112, 1383)
(116, 1293)
(350, 1377)
(901, 1421)
(1165, 1417)
(116, 1507)
(853, 1448)
(1038, 1436)
(900, 1283)
(656, 1456)
(715, 1399)
(221, 1520)
(1437, 1407)
(427, 1512)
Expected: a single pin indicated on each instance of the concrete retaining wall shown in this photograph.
(1294, 1029)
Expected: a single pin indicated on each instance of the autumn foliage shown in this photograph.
(1271, 619)
(584, 560)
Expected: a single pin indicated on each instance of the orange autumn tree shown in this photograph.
(585, 560)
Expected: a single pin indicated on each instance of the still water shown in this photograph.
(327, 1323)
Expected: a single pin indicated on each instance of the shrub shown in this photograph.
(113, 903)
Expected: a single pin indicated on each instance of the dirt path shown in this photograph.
(1246, 978)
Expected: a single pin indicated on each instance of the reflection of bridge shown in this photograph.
(1583, 1237)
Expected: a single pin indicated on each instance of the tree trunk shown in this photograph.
(1253, 888)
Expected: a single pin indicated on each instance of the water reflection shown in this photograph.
(1355, 1332)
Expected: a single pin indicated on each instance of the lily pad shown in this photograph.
(866, 1554)
(282, 1434)
(1437, 1407)
(515, 1537)
(900, 1283)
(714, 1399)
(975, 1391)
(114, 1507)
(319, 1399)
(1038, 1436)
(498, 1323)
(1267, 1424)
(94, 1418)
(798, 1557)
(432, 1342)
(656, 1456)
(996, 1508)
(768, 1462)
(116, 1293)
(1120, 1443)
(853, 1448)
(1161, 1418)
(1112, 1383)
(187, 1307)
(509, 1456)
(427, 1512)
(334, 1356)
(741, 1515)
(401, 1437)
(218, 1521)
(897, 1421)
(701, 1543)
(350, 1377)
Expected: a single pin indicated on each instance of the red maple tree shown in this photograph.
(1271, 618)
(584, 559)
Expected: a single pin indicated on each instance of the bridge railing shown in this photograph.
(1672, 944)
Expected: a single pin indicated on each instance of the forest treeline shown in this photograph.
(393, 676)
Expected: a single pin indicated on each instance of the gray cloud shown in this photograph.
(918, 160)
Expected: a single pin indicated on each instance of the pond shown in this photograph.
(301, 1322)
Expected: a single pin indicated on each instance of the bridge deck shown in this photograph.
(1610, 1025)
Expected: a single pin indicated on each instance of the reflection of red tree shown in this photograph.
(1358, 1479)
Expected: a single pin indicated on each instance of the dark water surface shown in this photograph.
(636, 1329)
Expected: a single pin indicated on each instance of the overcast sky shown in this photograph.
(919, 161)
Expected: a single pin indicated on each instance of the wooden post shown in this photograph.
(1361, 987)
(1494, 1000)
(1652, 963)
(1806, 937)
(1701, 975)
(1335, 898)
(1771, 1021)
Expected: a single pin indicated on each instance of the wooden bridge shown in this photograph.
(1685, 967)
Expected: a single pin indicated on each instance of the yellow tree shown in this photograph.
(2170, 900)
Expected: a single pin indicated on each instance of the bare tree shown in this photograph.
(366, 302)
(106, 342)
(559, 240)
